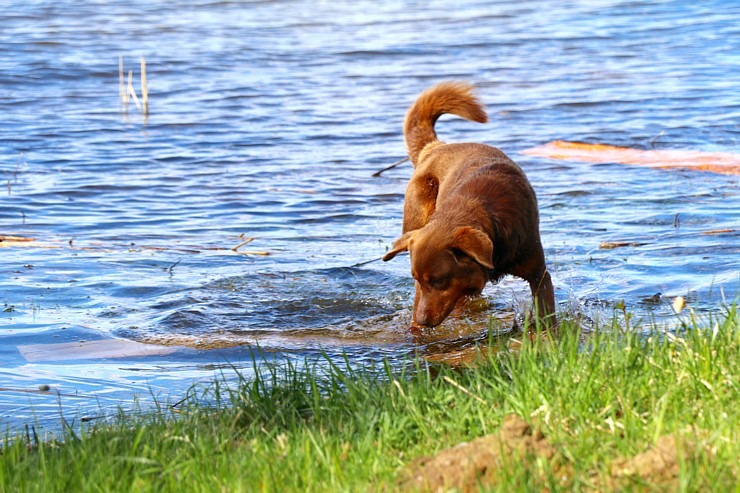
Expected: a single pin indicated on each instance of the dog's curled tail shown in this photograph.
(456, 98)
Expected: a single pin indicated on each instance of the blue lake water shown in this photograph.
(267, 121)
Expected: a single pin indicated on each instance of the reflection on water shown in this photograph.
(267, 120)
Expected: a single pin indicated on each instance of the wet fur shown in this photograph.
(470, 215)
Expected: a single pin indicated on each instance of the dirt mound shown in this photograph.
(658, 466)
(473, 465)
(470, 465)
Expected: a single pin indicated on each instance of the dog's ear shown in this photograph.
(400, 245)
(475, 244)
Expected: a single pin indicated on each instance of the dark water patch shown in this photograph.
(283, 301)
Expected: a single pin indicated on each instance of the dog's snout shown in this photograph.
(430, 313)
(422, 315)
(422, 319)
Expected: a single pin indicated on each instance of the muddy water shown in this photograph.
(267, 120)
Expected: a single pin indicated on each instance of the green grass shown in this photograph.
(596, 398)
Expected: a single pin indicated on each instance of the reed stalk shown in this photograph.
(121, 84)
(126, 90)
(132, 92)
(144, 89)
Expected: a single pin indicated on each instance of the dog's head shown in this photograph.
(447, 266)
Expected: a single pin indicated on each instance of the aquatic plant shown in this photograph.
(126, 90)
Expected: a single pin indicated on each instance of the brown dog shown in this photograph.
(470, 215)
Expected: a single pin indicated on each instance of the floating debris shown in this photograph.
(656, 298)
(22, 241)
(15, 239)
(610, 245)
(718, 231)
(679, 304)
(245, 242)
(716, 162)
(105, 348)
(378, 173)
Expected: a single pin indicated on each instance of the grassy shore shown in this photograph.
(608, 410)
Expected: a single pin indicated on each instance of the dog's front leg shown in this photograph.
(543, 297)
(420, 202)
(417, 296)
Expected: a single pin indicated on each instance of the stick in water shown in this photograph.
(377, 173)
(144, 90)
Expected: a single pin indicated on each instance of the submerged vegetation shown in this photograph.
(608, 410)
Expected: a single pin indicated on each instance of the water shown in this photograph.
(267, 120)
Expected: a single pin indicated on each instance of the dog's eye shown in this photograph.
(437, 283)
